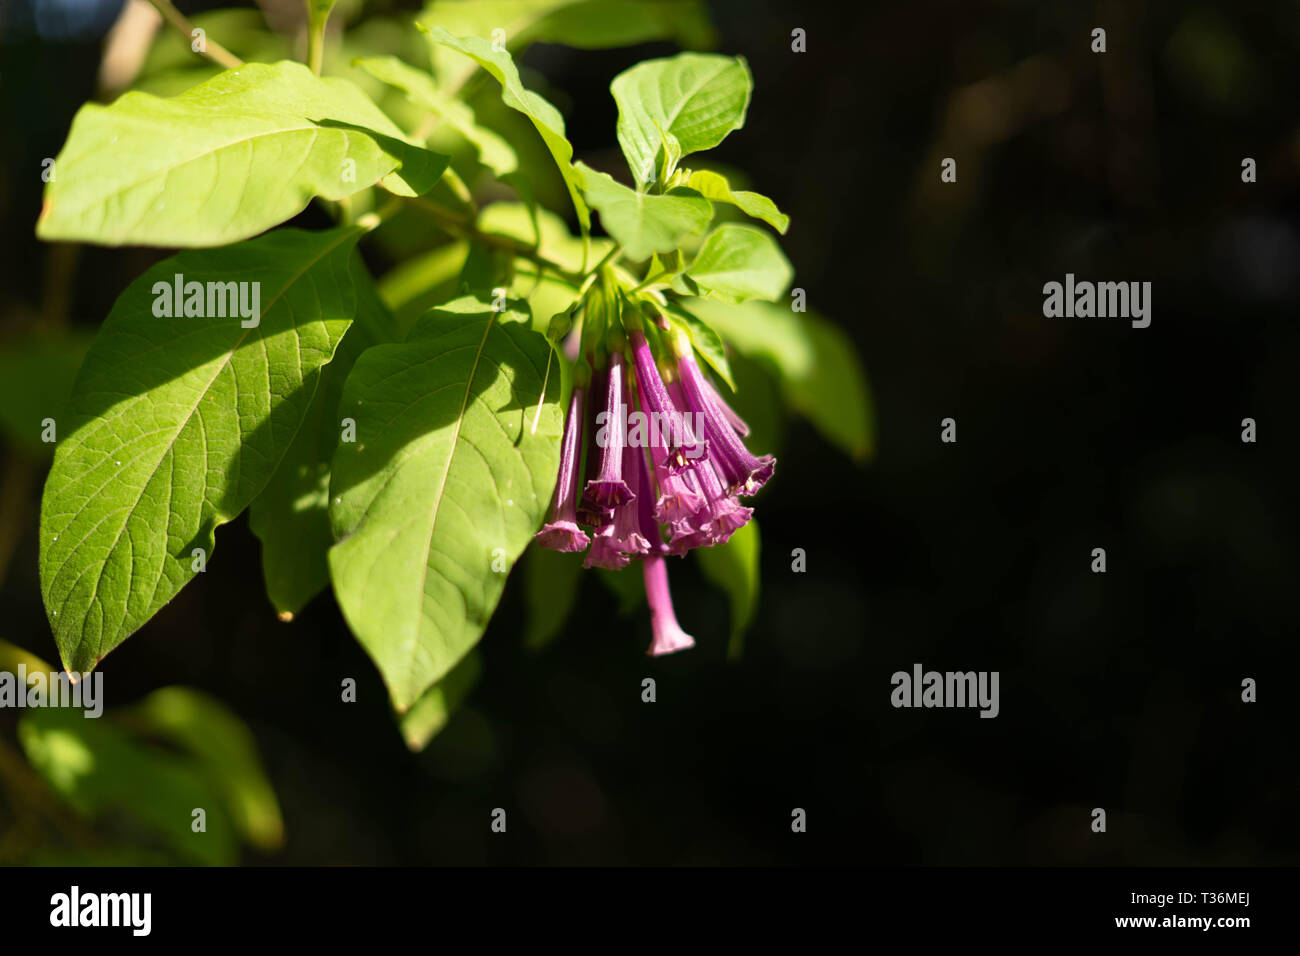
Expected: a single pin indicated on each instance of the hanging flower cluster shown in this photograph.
(665, 464)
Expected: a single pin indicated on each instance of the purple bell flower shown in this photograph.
(617, 542)
(562, 533)
(668, 634)
(610, 489)
(741, 472)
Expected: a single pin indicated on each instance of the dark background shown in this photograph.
(1119, 690)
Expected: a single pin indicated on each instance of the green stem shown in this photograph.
(605, 259)
(459, 225)
(212, 49)
(316, 47)
(318, 14)
(457, 185)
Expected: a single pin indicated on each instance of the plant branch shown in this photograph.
(464, 227)
(211, 48)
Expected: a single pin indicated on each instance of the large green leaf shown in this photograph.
(446, 480)
(291, 515)
(546, 119)
(821, 374)
(694, 98)
(714, 186)
(586, 24)
(225, 160)
(740, 262)
(493, 151)
(733, 566)
(176, 424)
(644, 223)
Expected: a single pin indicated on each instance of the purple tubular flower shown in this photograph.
(646, 510)
(617, 542)
(716, 521)
(680, 445)
(668, 634)
(609, 489)
(562, 533)
(589, 511)
(741, 472)
(678, 497)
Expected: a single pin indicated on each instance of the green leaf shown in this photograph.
(444, 487)
(109, 776)
(203, 727)
(546, 119)
(820, 371)
(176, 424)
(224, 161)
(740, 262)
(585, 24)
(36, 376)
(430, 713)
(493, 151)
(291, 515)
(714, 187)
(550, 591)
(644, 223)
(733, 566)
(697, 97)
(705, 341)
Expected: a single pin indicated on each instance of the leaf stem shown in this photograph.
(211, 48)
(464, 227)
(605, 259)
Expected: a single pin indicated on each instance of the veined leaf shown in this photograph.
(493, 151)
(733, 566)
(176, 424)
(546, 119)
(821, 374)
(714, 186)
(444, 487)
(740, 262)
(225, 160)
(291, 515)
(644, 223)
(697, 97)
